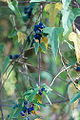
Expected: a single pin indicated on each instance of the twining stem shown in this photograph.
(46, 2)
(59, 74)
(39, 69)
(72, 80)
(39, 61)
(2, 116)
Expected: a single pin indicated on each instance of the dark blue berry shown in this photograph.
(14, 56)
(77, 69)
(22, 113)
(41, 25)
(30, 110)
(37, 36)
(42, 89)
(40, 93)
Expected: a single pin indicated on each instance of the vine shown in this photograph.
(40, 40)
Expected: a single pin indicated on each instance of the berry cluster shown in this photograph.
(14, 56)
(38, 31)
(27, 109)
(41, 91)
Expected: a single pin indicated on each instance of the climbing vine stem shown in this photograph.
(39, 61)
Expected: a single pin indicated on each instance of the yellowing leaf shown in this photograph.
(39, 98)
(53, 10)
(71, 92)
(75, 38)
(38, 119)
(33, 112)
(45, 40)
(58, 6)
(48, 7)
(21, 37)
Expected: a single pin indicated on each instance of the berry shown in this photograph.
(40, 93)
(42, 89)
(30, 110)
(77, 69)
(41, 25)
(22, 113)
(14, 56)
(37, 36)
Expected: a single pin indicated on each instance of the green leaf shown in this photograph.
(37, 0)
(76, 97)
(42, 46)
(68, 17)
(13, 5)
(32, 95)
(15, 113)
(66, 3)
(12, 34)
(12, 20)
(36, 46)
(78, 1)
(54, 34)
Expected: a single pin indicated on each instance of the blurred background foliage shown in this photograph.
(24, 76)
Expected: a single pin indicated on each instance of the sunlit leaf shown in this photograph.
(45, 40)
(38, 119)
(21, 37)
(66, 3)
(76, 40)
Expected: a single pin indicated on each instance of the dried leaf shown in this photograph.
(76, 39)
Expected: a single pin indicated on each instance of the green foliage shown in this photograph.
(69, 15)
(57, 54)
(75, 97)
(54, 34)
(14, 7)
(66, 3)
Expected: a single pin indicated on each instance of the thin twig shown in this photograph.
(2, 116)
(39, 61)
(73, 81)
(59, 74)
(46, 2)
(6, 79)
